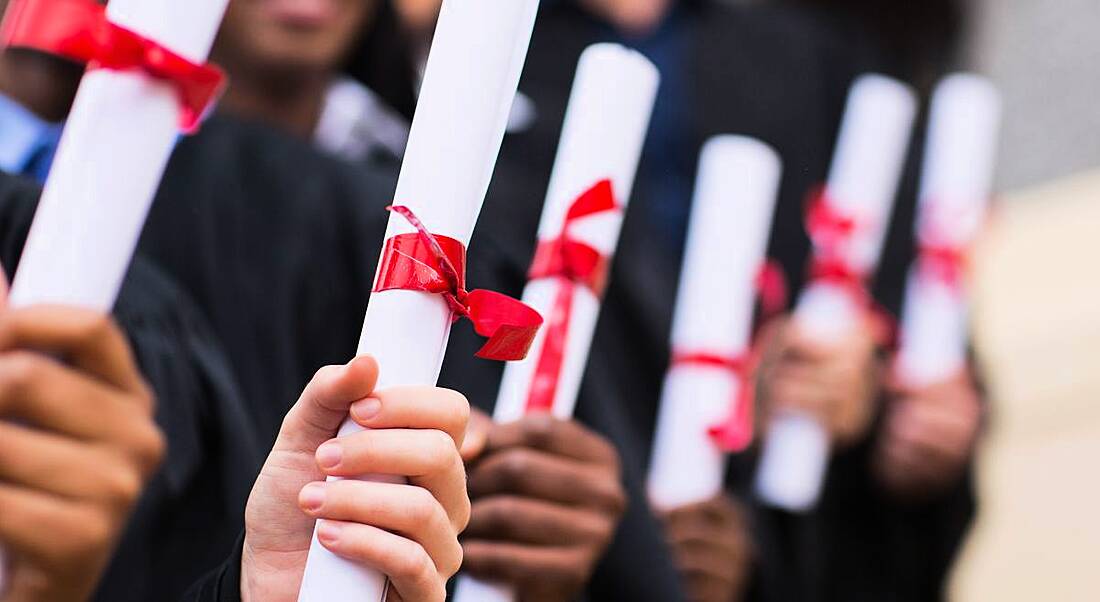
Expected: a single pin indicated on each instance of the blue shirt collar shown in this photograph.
(23, 135)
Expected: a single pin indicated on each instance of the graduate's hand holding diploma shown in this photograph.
(712, 546)
(77, 444)
(547, 500)
(928, 436)
(409, 532)
(836, 383)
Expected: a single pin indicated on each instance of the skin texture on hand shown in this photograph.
(712, 547)
(837, 383)
(547, 500)
(408, 531)
(928, 436)
(77, 445)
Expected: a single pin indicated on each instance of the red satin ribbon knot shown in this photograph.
(430, 263)
(734, 434)
(572, 262)
(944, 263)
(831, 232)
(79, 30)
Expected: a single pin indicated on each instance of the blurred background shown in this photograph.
(1036, 318)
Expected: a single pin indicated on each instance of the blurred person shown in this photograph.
(339, 72)
(77, 443)
(200, 410)
(164, 557)
(915, 41)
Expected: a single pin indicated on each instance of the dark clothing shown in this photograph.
(192, 509)
(782, 79)
(278, 244)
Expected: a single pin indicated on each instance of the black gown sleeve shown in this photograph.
(190, 513)
(223, 584)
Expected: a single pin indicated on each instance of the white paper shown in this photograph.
(955, 189)
(731, 219)
(471, 78)
(602, 138)
(112, 155)
(863, 182)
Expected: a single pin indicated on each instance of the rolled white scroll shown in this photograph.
(471, 78)
(862, 183)
(117, 140)
(959, 160)
(731, 218)
(602, 138)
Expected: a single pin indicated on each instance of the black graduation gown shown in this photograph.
(190, 513)
(779, 77)
(277, 243)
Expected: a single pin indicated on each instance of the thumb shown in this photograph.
(324, 404)
(477, 435)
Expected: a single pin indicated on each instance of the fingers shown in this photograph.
(324, 404)
(537, 474)
(65, 468)
(531, 521)
(403, 509)
(559, 437)
(428, 458)
(520, 564)
(410, 569)
(30, 524)
(86, 339)
(40, 391)
(415, 408)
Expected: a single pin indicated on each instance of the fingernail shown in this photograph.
(312, 496)
(366, 409)
(327, 532)
(329, 455)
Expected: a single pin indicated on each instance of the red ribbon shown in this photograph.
(429, 263)
(79, 30)
(734, 434)
(831, 232)
(572, 262)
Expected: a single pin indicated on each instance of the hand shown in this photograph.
(77, 444)
(712, 547)
(409, 532)
(547, 499)
(928, 436)
(837, 383)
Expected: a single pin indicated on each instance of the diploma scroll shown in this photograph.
(601, 144)
(735, 196)
(860, 192)
(120, 132)
(470, 81)
(956, 185)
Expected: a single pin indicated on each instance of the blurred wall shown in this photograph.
(1045, 55)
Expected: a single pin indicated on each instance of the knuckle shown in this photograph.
(459, 407)
(412, 563)
(96, 327)
(123, 488)
(422, 507)
(150, 448)
(450, 565)
(539, 429)
(514, 465)
(20, 371)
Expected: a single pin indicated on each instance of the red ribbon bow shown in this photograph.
(942, 262)
(429, 263)
(79, 30)
(573, 263)
(831, 232)
(734, 434)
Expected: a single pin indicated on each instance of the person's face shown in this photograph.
(291, 35)
(632, 16)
